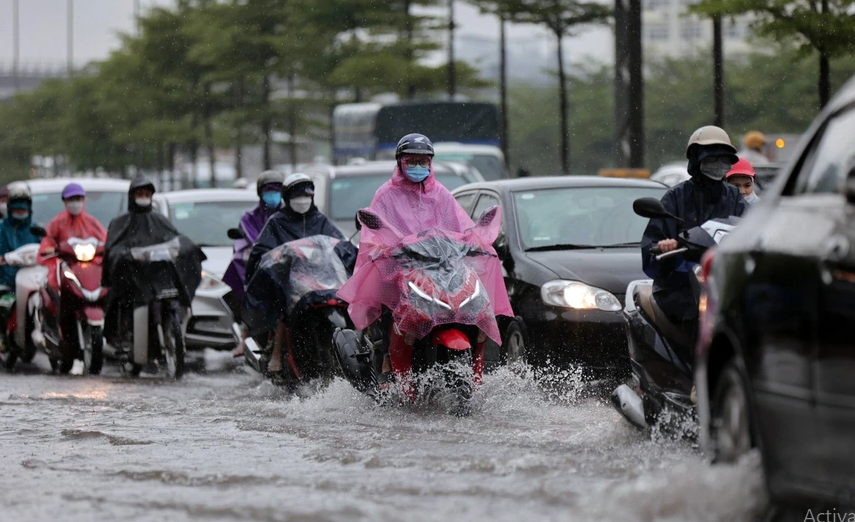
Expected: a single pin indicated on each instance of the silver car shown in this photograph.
(106, 198)
(205, 215)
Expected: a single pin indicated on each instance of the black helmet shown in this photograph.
(266, 178)
(414, 144)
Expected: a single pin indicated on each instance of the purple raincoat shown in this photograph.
(252, 223)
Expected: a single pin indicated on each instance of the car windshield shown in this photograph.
(351, 193)
(488, 165)
(104, 206)
(206, 223)
(589, 216)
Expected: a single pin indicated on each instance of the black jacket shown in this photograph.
(286, 225)
(696, 201)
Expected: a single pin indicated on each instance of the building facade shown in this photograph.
(669, 31)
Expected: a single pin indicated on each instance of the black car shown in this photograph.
(776, 358)
(569, 247)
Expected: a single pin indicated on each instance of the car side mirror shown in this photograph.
(38, 231)
(651, 208)
(236, 233)
(849, 189)
(369, 219)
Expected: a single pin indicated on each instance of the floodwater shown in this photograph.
(225, 445)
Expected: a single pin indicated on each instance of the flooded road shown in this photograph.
(227, 446)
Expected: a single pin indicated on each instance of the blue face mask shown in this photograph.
(271, 199)
(417, 174)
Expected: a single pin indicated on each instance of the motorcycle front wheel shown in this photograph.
(93, 349)
(173, 338)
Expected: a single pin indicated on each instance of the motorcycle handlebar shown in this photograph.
(672, 253)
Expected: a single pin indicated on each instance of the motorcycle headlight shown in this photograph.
(579, 296)
(84, 252)
(475, 294)
(421, 293)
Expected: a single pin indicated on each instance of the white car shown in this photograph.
(106, 198)
(205, 215)
(671, 174)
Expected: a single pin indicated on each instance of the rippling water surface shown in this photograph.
(228, 446)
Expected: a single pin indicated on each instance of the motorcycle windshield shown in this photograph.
(297, 273)
(166, 251)
(429, 279)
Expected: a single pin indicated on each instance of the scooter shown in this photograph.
(660, 352)
(154, 331)
(20, 331)
(73, 319)
(304, 276)
(435, 325)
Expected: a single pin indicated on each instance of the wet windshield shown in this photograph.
(104, 206)
(207, 223)
(595, 216)
(352, 193)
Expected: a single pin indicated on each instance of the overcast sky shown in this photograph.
(98, 22)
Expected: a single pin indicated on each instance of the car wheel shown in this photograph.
(731, 421)
(513, 344)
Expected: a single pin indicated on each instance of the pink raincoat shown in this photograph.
(408, 210)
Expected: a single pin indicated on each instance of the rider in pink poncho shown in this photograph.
(409, 203)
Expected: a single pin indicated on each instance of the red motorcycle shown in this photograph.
(440, 318)
(74, 318)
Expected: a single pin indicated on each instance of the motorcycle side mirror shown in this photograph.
(487, 216)
(850, 189)
(651, 208)
(38, 231)
(369, 219)
(357, 222)
(236, 233)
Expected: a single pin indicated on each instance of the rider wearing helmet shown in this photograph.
(754, 145)
(268, 186)
(71, 222)
(741, 176)
(15, 229)
(4, 201)
(296, 219)
(703, 197)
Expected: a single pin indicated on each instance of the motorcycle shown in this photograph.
(300, 278)
(73, 319)
(20, 334)
(438, 320)
(153, 332)
(661, 353)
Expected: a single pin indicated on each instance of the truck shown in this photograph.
(464, 130)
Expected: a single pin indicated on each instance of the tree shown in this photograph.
(824, 26)
(562, 18)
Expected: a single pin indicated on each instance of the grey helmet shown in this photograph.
(266, 178)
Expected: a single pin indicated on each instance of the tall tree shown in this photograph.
(563, 18)
(824, 26)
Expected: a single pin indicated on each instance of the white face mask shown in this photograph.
(143, 202)
(74, 207)
(715, 171)
(301, 205)
(4, 208)
(751, 198)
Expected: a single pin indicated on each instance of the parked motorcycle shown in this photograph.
(300, 278)
(661, 352)
(439, 320)
(153, 332)
(73, 319)
(20, 332)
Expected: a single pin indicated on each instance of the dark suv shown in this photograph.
(776, 358)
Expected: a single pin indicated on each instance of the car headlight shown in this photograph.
(573, 294)
(210, 282)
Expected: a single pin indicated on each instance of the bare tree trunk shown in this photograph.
(503, 88)
(409, 52)
(238, 132)
(636, 86)
(170, 165)
(718, 73)
(292, 121)
(824, 70)
(266, 123)
(209, 131)
(562, 92)
(452, 74)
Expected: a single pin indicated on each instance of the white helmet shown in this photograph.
(297, 182)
